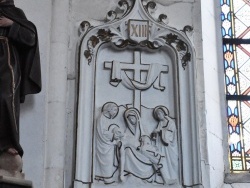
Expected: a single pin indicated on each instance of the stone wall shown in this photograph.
(214, 93)
(34, 117)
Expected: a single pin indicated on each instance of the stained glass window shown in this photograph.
(235, 17)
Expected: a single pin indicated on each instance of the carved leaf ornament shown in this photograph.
(180, 46)
(120, 40)
(117, 39)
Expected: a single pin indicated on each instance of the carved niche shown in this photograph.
(136, 107)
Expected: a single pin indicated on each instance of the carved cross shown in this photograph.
(137, 67)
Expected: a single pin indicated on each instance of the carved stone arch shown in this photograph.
(114, 35)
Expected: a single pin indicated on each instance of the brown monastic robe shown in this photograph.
(19, 72)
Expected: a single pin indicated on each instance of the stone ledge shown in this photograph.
(237, 178)
(10, 182)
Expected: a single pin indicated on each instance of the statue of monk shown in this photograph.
(19, 72)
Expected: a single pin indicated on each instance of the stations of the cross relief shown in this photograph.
(132, 135)
(126, 147)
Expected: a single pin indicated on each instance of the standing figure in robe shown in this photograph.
(107, 139)
(19, 71)
(166, 142)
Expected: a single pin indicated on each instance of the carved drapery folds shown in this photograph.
(125, 149)
(136, 102)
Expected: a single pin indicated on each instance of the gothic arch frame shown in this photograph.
(161, 35)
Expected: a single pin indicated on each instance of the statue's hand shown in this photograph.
(5, 22)
(118, 135)
(157, 130)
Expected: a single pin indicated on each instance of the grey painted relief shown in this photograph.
(135, 80)
(129, 150)
(135, 134)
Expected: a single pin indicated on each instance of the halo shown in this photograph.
(128, 111)
(163, 108)
(112, 126)
(110, 103)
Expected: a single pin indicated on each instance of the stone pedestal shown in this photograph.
(10, 182)
(10, 172)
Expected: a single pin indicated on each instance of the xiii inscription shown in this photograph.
(138, 30)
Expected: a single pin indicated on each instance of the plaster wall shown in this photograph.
(33, 118)
(213, 77)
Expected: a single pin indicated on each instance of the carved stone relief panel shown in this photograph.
(136, 113)
(136, 128)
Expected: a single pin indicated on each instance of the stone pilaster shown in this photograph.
(56, 122)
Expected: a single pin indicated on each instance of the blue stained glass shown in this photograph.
(227, 80)
(222, 17)
(229, 111)
(234, 80)
(224, 48)
(236, 112)
(230, 129)
(223, 32)
(230, 48)
(236, 23)
(230, 32)
(226, 64)
(229, 17)
(232, 64)
(231, 147)
(237, 130)
(239, 146)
